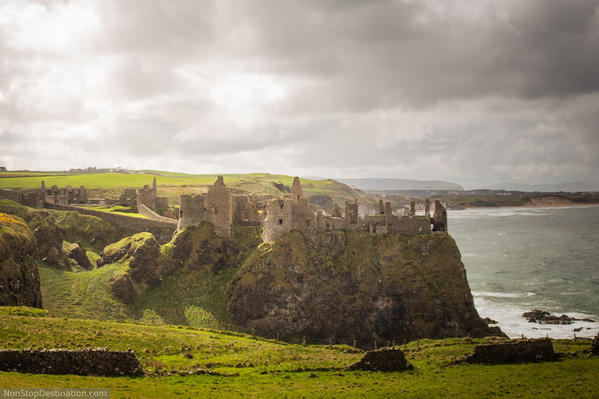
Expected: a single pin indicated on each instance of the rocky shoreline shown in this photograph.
(544, 317)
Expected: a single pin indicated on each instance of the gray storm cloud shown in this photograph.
(475, 93)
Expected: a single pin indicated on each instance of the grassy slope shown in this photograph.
(264, 368)
(189, 297)
(173, 184)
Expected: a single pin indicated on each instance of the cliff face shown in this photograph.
(19, 277)
(346, 285)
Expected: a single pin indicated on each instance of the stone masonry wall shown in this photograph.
(150, 214)
(101, 362)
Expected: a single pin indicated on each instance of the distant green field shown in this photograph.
(248, 366)
(114, 180)
(173, 184)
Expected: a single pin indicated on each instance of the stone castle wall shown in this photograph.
(150, 214)
(294, 213)
(219, 207)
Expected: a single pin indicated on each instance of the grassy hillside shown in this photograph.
(194, 294)
(172, 184)
(245, 366)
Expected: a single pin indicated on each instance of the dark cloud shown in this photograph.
(388, 53)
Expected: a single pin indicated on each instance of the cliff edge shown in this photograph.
(343, 286)
(19, 277)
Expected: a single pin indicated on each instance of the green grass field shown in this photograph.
(115, 180)
(173, 184)
(247, 366)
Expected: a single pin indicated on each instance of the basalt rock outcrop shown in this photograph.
(49, 244)
(385, 359)
(76, 252)
(100, 362)
(544, 317)
(19, 276)
(343, 286)
(143, 254)
(518, 351)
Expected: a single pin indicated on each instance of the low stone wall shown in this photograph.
(525, 350)
(163, 231)
(150, 214)
(101, 362)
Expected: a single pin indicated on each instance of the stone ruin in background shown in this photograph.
(292, 212)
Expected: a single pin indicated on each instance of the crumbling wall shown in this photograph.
(146, 197)
(192, 210)
(526, 350)
(101, 362)
(245, 211)
(150, 214)
(278, 220)
(292, 213)
(128, 197)
(219, 204)
(439, 217)
(412, 225)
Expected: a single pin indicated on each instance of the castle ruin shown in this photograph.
(293, 212)
(148, 196)
(219, 207)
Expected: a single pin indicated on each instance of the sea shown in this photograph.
(520, 259)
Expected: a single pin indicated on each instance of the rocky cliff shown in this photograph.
(351, 285)
(19, 277)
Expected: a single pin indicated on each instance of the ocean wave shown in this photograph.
(509, 319)
(502, 294)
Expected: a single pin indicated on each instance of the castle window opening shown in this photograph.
(280, 221)
(307, 223)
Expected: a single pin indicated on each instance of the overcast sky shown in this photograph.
(474, 92)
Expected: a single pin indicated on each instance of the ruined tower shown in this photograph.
(288, 214)
(412, 208)
(439, 217)
(351, 211)
(219, 203)
(296, 189)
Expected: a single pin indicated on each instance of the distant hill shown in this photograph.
(376, 184)
(566, 187)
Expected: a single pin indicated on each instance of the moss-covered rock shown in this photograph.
(142, 252)
(74, 226)
(77, 253)
(19, 276)
(352, 285)
(49, 245)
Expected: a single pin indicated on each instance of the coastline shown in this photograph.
(516, 264)
(540, 205)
